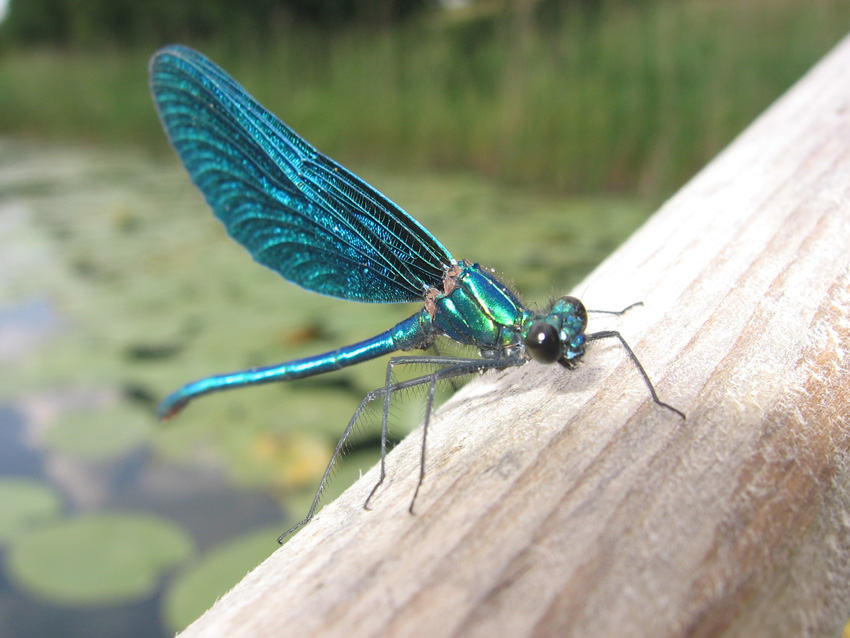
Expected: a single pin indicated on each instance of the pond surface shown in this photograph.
(117, 285)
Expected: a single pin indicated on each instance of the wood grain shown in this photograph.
(563, 503)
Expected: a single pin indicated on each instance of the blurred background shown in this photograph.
(533, 136)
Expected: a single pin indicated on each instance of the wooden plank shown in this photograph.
(565, 503)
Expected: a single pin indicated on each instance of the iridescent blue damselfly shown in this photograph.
(322, 227)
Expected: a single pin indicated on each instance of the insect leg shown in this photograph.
(457, 368)
(617, 312)
(613, 334)
(336, 453)
(389, 388)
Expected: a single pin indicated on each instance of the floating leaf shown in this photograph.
(25, 503)
(97, 560)
(194, 591)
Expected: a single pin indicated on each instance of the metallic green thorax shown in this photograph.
(479, 310)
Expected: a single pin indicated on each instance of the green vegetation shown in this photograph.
(89, 23)
(26, 503)
(100, 434)
(115, 558)
(196, 588)
(630, 97)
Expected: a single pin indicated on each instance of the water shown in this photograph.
(116, 286)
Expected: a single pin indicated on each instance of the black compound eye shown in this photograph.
(578, 309)
(543, 342)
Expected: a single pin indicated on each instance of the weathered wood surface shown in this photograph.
(565, 503)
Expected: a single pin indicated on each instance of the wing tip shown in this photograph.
(171, 53)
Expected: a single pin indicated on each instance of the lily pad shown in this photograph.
(97, 560)
(26, 503)
(194, 591)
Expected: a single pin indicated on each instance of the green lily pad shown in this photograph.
(26, 503)
(195, 590)
(97, 560)
(100, 434)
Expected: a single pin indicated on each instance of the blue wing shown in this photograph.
(297, 212)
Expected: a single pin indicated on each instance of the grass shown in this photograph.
(632, 98)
